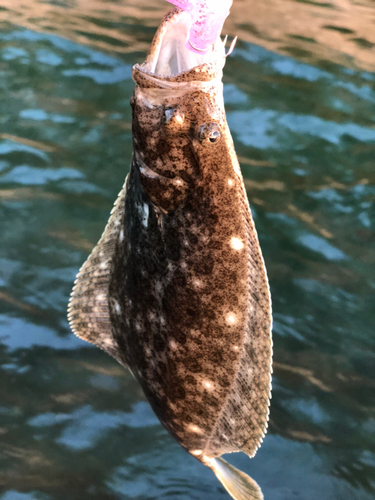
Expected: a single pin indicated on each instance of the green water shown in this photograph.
(300, 100)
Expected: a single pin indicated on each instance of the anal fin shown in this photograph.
(88, 310)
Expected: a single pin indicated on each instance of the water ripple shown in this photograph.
(300, 97)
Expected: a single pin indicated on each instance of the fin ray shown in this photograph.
(239, 485)
(88, 310)
(243, 420)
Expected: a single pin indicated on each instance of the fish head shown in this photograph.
(179, 124)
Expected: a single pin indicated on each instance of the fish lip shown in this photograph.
(206, 71)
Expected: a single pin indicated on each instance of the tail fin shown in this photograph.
(239, 485)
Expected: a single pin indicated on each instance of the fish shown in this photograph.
(176, 289)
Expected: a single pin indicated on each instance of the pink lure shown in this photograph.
(208, 17)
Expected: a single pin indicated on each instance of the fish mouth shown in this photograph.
(170, 58)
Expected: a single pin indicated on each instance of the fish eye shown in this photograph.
(209, 133)
(215, 136)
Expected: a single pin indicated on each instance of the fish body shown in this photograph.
(176, 289)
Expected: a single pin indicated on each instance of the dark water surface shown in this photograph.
(300, 100)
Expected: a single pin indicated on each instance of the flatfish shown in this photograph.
(176, 288)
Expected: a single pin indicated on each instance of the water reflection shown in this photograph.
(300, 99)
(85, 427)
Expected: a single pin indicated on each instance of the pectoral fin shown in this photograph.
(239, 485)
(88, 311)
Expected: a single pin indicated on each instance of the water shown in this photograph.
(300, 99)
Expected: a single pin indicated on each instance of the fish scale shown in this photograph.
(176, 289)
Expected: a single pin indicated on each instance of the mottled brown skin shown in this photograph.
(176, 288)
(183, 289)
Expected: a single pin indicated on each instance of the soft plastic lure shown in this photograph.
(208, 17)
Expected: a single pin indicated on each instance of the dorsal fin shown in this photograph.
(243, 421)
(88, 311)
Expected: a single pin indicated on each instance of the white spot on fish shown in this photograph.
(100, 297)
(197, 283)
(194, 428)
(103, 265)
(235, 347)
(146, 213)
(207, 384)
(121, 237)
(117, 307)
(143, 212)
(231, 319)
(236, 243)
(173, 345)
(180, 118)
(230, 182)
(207, 461)
(196, 452)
